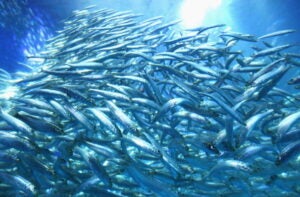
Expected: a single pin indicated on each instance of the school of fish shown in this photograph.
(129, 107)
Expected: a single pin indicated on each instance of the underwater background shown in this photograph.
(26, 24)
(149, 98)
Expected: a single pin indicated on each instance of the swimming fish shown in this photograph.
(123, 106)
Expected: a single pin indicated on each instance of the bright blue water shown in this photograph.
(23, 20)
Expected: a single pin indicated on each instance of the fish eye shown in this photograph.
(278, 161)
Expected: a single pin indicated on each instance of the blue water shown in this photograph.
(23, 20)
(25, 27)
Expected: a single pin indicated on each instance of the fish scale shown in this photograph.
(139, 108)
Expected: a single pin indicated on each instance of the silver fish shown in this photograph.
(277, 33)
(16, 123)
(122, 106)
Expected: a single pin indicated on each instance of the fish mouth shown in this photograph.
(139, 107)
